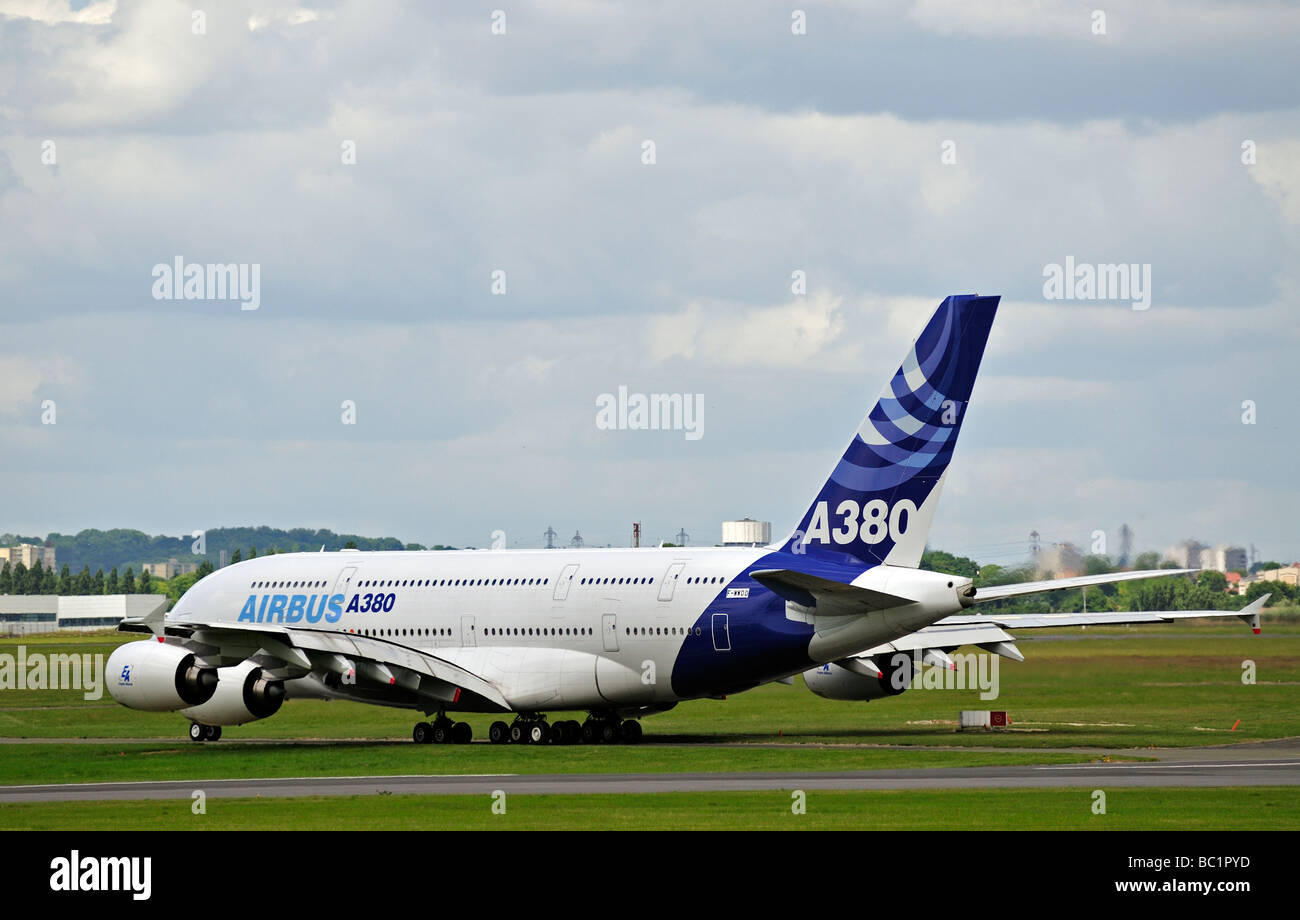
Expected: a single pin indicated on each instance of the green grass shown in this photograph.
(1079, 691)
(72, 763)
(983, 809)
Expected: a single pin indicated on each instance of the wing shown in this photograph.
(363, 667)
(989, 631)
(997, 592)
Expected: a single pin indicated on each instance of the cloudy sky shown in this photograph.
(894, 153)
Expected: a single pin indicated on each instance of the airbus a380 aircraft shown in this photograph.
(619, 633)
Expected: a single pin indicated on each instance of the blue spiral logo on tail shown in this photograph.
(877, 505)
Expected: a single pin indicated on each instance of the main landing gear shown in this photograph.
(442, 731)
(600, 728)
(204, 732)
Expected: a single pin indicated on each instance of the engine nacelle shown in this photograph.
(838, 683)
(244, 694)
(156, 677)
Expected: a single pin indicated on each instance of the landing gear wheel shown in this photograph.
(561, 733)
(609, 732)
(517, 733)
(196, 731)
(462, 733)
(499, 733)
(539, 733)
(631, 731)
(591, 733)
(422, 733)
(575, 731)
(212, 733)
(441, 732)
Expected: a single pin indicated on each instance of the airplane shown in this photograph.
(618, 633)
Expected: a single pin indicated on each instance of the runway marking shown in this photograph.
(263, 779)
(1171, 766)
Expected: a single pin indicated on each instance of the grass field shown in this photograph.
(68, 763)
(984, 809)
(1148, 686)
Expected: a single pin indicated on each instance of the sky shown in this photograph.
(469, 221)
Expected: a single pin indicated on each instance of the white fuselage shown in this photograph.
(551, 628)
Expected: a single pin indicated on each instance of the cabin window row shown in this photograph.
(496, 631)
(415, 583)
(659, 630)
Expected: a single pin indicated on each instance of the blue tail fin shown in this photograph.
(879, 501)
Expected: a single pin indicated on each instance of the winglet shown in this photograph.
(1250, 613)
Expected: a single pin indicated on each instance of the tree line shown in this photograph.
(38, 579)
(110, 549)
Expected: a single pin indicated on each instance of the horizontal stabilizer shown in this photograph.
(809, 590)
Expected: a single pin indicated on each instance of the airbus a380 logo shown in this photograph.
(297, 608)
(870, 523)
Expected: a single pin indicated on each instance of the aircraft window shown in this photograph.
(547, 581)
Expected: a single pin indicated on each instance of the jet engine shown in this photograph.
(244, 694)
(861, 681)
(156, 677)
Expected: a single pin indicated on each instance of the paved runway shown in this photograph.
(1273, 764)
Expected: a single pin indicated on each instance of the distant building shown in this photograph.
(27, 554)
(1062, 560)
(1288, 574)
(746, 532)
(21, 614)
(1224, 558)
(169, 569)
(1186, 554)
(1192, 554)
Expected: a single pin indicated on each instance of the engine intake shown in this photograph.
(156, 677)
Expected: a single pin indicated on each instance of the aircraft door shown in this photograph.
(562, 583)
(343, 584)
(721, 633)
(670, 581)
(468, 639)
(609, 631)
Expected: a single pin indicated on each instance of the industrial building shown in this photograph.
(25, 614)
